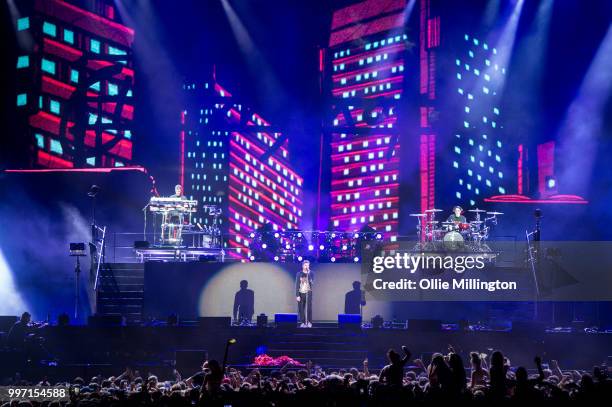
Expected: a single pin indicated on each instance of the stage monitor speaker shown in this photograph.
(424, 325)
(211, 323)
(349, 321)
(105, 320)
(141, 244)
(189, 361)
(286, 320)
(528, 327)
(7, 322)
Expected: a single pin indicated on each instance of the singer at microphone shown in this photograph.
(303, 294)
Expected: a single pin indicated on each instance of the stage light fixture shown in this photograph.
(252, 258)
(77, 249)
(262, 320)
(277, 235)
(172, 320)
(356, 236)
(310, 247)
(377, 322)
(356, 259)
(275, 258)
(93, 191)
(300, 258)
(379, 236)
(333, 259)
(264, 246)
(321, 247)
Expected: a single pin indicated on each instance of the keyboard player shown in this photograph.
(178, 192)
(175, 218)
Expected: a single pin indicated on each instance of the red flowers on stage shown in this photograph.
(265, 360)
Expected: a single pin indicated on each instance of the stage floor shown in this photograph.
(86, 350)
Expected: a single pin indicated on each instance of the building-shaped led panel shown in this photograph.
(230, 161)
(74, 85)
(365, 75)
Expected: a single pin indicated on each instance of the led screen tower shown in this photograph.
(365, 75)
(234, 159)
(480, 149)
(74, 85)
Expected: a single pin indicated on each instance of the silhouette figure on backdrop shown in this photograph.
(354, 299)
(244, 303)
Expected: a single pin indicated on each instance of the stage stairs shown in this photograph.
(120, 291)
(327, 347)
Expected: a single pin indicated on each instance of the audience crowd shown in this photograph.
(486, 378)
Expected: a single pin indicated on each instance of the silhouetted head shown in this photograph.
(497, 359)
(393, 356)
(521, 375)
(244, 284)
(214, 366)
(455, 362)
(475, 359)
(356, 285)
(26, 317)
(437, 360)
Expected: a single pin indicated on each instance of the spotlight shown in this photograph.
(252, 258)
(333, 259)
(264, 246)
(310, 247)
(356, 235)
(275, 258)
(356, 259)
(333, 235)
(321, 247)
(379, 236)
(277, 235)
(287, 246)
(344, 247)
(231, 341)
(299, 234)
(300, 258)
(252, 235)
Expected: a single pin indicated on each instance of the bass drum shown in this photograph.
(453, 241)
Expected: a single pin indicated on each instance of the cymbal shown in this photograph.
(495, 213)
(476, 210)
(475, 222)
(446, 223)
(433, 210)
(420, 215)
(433, 222)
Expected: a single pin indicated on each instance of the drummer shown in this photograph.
(456, 216)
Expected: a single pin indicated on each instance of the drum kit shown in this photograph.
(472, 235)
